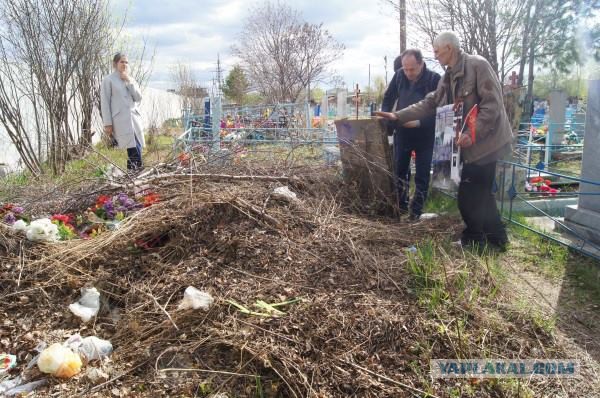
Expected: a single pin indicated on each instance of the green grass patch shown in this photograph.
(438, 202)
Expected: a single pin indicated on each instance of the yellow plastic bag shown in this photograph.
(59, 361)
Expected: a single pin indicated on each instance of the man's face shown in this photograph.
(412, 69)
(443, 53)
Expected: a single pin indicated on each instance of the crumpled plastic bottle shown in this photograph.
(88, 305)
(59, 361)
(194, 298)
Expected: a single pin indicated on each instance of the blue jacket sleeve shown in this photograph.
(390, 96)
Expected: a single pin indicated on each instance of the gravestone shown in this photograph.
(324, 110)
(342, 99)
(367, 162)
(556, 122)
(584, 218)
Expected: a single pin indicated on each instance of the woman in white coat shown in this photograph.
(120, 96)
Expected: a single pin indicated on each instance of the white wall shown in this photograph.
(156, 107)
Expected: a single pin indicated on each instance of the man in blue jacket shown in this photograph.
(411, 84)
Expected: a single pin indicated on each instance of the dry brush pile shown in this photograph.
(365, 324)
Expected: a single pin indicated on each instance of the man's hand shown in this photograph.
(412, 124)
(386, 115)
(108, 130)
(464, 141)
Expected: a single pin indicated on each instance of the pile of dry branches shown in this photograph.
(357, 330)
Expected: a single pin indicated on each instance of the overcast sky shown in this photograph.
(193, 32)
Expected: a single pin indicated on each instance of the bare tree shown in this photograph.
(48, 38)
(52, 57)
(282, 54)
(190, 92)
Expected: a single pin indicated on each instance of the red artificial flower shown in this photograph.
(102, 199)
(547, 182)
(65, 219)
(535, 180)
(151, 199)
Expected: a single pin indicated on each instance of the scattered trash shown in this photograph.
(194, 298)
(9, 384)
(59, 361)
(96, 376)
(7, 361)
(14, 387)
(42, 230)
(94, 348)
(90, 348)
(284, 193)
(88, 305)
(270, 310)
(411, 249)
(429, 216)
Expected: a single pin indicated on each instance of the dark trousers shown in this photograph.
(477, 206)
(402, 154)
(134, 158)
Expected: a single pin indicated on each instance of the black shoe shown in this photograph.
(499, 246)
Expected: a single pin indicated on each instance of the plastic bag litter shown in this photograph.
(9, 384)
(429, 216)
(59, 361)
(7, 361)
(93, 347)
(13, 387)
(42, 230)
(88, 305)
(284, 193)
(194, 298)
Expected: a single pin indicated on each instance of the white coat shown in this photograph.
(118, 102)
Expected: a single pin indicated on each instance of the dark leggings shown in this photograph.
(134, 158)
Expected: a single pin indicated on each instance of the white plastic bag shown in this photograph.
(284, 193)
(88, 305)
(94, 348)
(194, 298)
(59, 361)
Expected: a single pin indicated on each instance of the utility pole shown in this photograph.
(370, 82)
(385, 68)
(219, 75)
(402, 20)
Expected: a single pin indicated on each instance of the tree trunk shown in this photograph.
(527, 105)
(525, 45)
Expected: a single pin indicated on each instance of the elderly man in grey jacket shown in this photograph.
(120, 96)
(470, 79)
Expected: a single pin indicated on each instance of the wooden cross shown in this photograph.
(513, 79)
